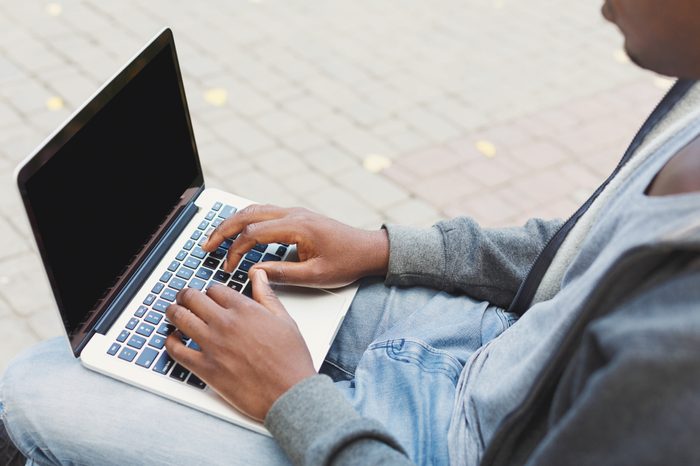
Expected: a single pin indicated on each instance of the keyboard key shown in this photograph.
(136, 341)
(203, 225)
(260, 247)
(271, 257)
(226, 243)
(222, 276)
(196, 382)
(166, 276)
(281, 250)
(168, 294)
(149, 299)
(211, 263)
(113, 349)
(164, 363)
(133, 322)
(195, 236)
(203, 273)
(157, 342)
(248, 290)
(147, 357)
(140, 311)
(210, 215)
(161, 305)
(192, 344)
(184, 273)
(209, 231)
(165, 329)
(240, 275)
(181, 255)
(201, 241)
(218, 254)
(216, 222)
(227, 211)
(197, 284)
(127, 354)
(123, 336)
(173, 266)
(216, 206)
(245, 265)
(198, 253)
(188, 245)
(177, 283)
(179, 373)
(145, 330)
(153, 318)
(235, 285)
(192, 263)
(157, 288)
(253, 256)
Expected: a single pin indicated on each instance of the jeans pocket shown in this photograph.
(420, 354)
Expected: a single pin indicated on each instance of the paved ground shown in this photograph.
(367, 110)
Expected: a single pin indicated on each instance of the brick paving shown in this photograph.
(364, 110)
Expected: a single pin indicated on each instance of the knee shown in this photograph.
(25, 391)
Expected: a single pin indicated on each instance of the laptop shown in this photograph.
(118, 207)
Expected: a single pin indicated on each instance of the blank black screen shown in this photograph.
(105, 192)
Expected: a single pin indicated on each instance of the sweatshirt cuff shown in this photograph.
(305, 413)
(416, 256)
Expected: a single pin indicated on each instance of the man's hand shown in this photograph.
(251, 350)
(331, 254)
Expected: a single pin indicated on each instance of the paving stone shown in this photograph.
(415, 212)
(373, 189)
(17, 338)
(46, 324)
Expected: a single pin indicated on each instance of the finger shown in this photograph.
(270, 231)
(199, 303)
(235, 223)
(263, 294)
(187, 322)
(289, 273)
(191, 359)
(225, 296)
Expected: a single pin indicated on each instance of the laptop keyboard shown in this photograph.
(142, 340)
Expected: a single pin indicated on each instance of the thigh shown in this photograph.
(407, 377)
(375, 309)
(58, 412)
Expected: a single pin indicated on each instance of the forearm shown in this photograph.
(459, 256)
(315, 424)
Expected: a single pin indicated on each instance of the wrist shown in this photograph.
(377, 253)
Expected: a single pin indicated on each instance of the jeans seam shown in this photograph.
(337, 365)
(392, 353)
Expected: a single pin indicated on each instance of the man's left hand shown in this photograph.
(251, 350)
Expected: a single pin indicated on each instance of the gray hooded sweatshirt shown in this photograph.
(604, 368)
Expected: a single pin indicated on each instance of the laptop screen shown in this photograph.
(104, 192)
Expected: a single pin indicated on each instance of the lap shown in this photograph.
(397, 358)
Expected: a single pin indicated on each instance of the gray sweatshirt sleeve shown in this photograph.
(459, 256)
(315, 425)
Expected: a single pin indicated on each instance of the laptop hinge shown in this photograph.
(134, 284)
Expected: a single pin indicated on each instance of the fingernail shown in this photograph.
(261, 275)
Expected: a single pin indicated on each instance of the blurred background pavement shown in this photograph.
(367, 110)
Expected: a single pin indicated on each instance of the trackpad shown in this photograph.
(318, 313)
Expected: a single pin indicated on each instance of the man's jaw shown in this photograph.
(608, 12)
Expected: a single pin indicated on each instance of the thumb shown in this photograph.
(263, 293)
(285, 273)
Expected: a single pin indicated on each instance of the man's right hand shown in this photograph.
(331, 254)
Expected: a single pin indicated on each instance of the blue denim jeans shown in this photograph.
(397, 358)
